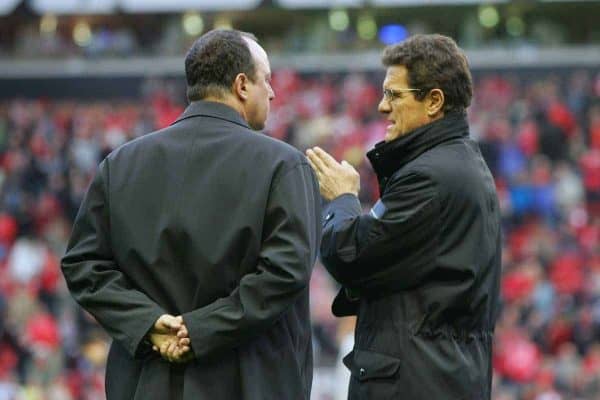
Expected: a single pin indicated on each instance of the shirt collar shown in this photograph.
(212, 109)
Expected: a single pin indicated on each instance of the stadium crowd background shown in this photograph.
(539, 130)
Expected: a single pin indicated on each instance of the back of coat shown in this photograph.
(209, 220)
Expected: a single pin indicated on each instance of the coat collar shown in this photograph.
(212, 109)
(388, 157)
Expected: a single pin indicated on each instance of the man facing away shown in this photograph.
(421, 271)
(199, 240)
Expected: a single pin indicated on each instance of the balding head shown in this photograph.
(215, 59)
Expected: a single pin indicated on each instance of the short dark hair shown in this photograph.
(434, 61)
(214, 60)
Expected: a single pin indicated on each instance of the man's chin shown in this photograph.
(257, 126)
(389, 136)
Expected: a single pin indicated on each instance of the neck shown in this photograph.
(228, 101)
(388, 157)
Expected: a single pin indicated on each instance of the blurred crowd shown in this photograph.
(27, 34)
(539, 133)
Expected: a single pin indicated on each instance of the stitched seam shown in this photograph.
(106, 189)
(107, 193)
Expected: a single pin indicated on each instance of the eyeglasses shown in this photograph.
(391, 95)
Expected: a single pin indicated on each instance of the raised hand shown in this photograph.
(335, 179)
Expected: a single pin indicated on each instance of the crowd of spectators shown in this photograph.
(539, 133)
(29, 35)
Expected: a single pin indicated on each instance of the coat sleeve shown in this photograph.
(291, 235)
(94, 278)
(393, 246)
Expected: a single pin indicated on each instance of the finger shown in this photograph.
(181, 350)
(171, 349)
(317, 162)
(327, 159)
(184, 342)
(183, 332)
(155, 348)
(166, 323)
(172, 322)
(159, 324)
(163, 348)
(312, 165)
(318, 173)
(176, 353)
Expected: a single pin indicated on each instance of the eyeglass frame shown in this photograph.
(393, 94)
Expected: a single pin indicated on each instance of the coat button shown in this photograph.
(362, 372)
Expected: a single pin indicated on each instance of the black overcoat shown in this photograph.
(216, 222)
(421, 270)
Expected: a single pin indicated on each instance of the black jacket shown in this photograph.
(208, 219)
(421, 270)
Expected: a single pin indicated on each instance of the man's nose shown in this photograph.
(384, 106)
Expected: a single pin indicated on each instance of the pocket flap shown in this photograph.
(365, 364)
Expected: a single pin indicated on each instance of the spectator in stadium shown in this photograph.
(422, 270)
(202, 237)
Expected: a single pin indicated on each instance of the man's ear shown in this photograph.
(435, 102)
(240, 86)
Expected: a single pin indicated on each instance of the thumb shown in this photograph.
(167, 321)
(173, 322)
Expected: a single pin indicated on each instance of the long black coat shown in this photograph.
(216, 222)
(421, 270)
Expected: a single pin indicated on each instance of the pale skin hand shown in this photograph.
(170, 337)
(335, 179)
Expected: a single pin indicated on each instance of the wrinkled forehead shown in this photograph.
(259, 56)
(395, 75)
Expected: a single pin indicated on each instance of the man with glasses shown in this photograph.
(421, 270)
